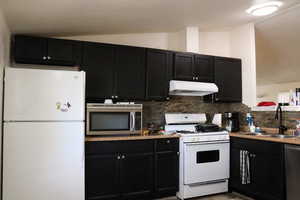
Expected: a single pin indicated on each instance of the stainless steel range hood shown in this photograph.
(189, 88)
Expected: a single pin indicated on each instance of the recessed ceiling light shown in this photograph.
(264, 8)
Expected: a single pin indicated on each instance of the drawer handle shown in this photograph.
(168, 141)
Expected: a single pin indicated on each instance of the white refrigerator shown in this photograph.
(43, 135)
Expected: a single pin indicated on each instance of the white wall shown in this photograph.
(215, 43)
(211, 43)
(242, 45)
(150, 40)
(269, 92)
(4, 60)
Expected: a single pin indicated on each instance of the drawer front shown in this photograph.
(121, 147)
(257, 146)
(137, 146)
(102, 148)
(167, 145)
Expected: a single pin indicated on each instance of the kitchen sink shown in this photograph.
(273, 135)
(259, 134)
(283, 136)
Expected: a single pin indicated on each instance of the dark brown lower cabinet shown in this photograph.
(167, 173)
(267, 173)
(137, 176)
(141, 169)
(102, 177)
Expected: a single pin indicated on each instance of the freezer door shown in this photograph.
(43, 161)
(43, 95)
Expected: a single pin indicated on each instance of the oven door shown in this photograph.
(206, 162)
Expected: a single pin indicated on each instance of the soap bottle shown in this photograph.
(297, 131)
(250, 122)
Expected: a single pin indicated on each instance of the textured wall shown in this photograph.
(267, 119)
(154, 111)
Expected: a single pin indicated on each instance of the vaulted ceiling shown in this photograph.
(77, 17)
(278, 48)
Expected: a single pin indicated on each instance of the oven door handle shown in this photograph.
(132, 121)
(201, 143)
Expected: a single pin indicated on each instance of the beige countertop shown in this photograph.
(132, 137)
(266, 138)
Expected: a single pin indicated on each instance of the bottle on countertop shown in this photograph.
(297, 131)
(298, 96)
(250, 122)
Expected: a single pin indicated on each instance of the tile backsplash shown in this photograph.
(154, 111)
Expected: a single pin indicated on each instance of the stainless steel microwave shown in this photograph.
(114, 119)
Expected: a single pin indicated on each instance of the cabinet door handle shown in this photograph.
(168, 141)
(252, 155)
(193, 78)
(178, 153)
(123, 157)
(44, 58)
(112, 97)
(49, 58)
(196, 78)
(116, 96)
(118, 157)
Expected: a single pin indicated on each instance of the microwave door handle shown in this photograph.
(133, 121)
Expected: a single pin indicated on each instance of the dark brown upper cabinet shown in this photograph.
(204, 68)
(193, 67)
(98, 61)
(113, 72)
(46, 51)
(159, 72)
(29, 49)
(130, 72)
(183, 66)
(228, 78)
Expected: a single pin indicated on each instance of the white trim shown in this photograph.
(273, 108)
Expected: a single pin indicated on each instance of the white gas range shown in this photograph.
(204, 156)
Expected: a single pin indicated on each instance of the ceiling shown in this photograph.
(83, 17)
(278, 48)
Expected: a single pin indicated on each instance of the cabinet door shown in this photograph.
(183, 66)
(61, 52)
(268, 176)
(137, 175)
(130, 72)
(98, 62)
(167, 173)
(235, 182)
(266, 169)
(158, 63)
(102, 177)
(31, 50)
(204, 68)
(228, 78)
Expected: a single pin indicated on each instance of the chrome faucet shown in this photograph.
(279, 115)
